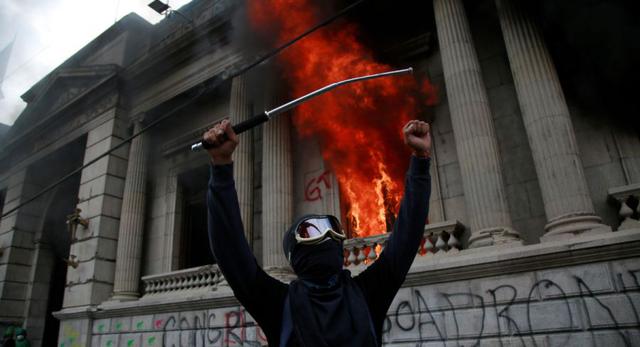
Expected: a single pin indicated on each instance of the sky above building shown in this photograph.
(45, 33)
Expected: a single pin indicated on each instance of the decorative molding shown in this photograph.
(143, 307)
(502, 260)
(176, 40)
(163, 91)
(80, 110)
(184, 141)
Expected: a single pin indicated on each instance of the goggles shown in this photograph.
(316, 229)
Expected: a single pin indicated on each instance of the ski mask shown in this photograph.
(319, 259)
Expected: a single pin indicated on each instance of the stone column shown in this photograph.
(277, 193)
(473, 129)
(100, 199)
(239, 111)
(129, 253)
(567, 203)
(17, 244)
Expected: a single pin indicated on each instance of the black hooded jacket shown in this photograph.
(264, 296)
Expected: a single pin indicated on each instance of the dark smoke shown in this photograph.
(596, 48)
(595, 45)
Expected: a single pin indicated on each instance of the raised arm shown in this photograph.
(226, 232)
(395, 260)
(257, 291)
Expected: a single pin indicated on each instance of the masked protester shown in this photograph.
(325, 306)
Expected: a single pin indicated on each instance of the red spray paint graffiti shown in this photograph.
(313, 187)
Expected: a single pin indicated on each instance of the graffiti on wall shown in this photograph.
(315, 185)
(514, 320)
(507, 313)
(218, 327)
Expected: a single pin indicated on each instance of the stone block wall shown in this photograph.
(17, 241)
(228, 326)
(567, 306)
(471, 299)
(100, 199)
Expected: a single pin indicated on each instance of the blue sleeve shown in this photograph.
(380, 281)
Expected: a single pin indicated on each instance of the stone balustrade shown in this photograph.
(199, 278)
(438, 239)
(628, 199)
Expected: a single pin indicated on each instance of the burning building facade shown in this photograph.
(533, 234)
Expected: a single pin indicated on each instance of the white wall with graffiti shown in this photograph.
(587, 304)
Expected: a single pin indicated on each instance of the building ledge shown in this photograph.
(462, 265)
(187, 301)
(501, 260)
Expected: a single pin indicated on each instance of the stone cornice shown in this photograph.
(174, 46)
(66, 110)
(183, 142)
(202, 301)
(167, 91)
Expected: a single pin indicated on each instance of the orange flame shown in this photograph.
(359, 125)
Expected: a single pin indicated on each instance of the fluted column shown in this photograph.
(476, 142)
(243, 156)
(567, 203)
(277, 192)
(129, 253)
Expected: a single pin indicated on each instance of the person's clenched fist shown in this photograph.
(417, 135)
(224, 141)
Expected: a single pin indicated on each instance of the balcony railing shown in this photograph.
(438, 239)
(628, 199)
(201, 278)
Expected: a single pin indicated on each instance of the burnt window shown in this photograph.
(194, 240)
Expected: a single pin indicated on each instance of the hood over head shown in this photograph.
(313, 262)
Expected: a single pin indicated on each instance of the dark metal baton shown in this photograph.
(266, 115)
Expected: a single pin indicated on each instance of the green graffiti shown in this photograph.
(119, 326)
(130, 342)
(61, 344)
(140, 325)
(109, 343)
(101, 328)
(151, 340)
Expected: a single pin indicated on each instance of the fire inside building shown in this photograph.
(533, 234)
